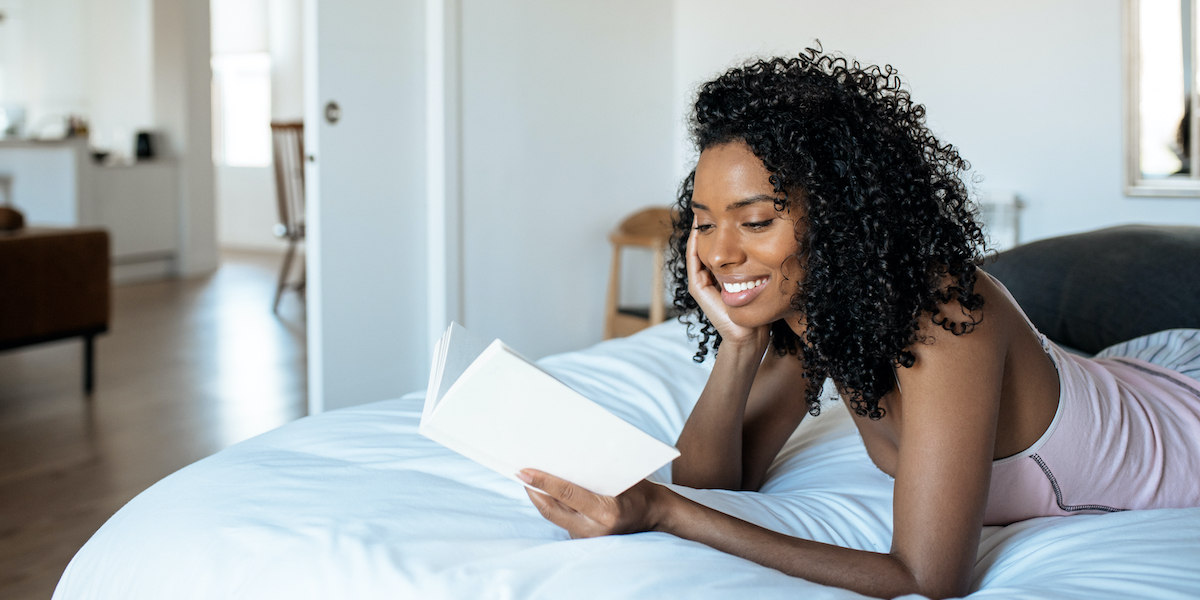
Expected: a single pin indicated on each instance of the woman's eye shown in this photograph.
(759, 224)
(704, 227)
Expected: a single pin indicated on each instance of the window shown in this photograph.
(1160, 49)
(242, 109)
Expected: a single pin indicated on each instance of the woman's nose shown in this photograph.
(726, 249)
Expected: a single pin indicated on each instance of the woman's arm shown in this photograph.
(774, 410)
(737, 427)
(710, 446)
(749, 406)
(947, 428)
(658, 508)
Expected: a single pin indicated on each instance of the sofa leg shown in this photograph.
(89, 355)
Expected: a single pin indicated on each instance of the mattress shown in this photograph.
(353, 503)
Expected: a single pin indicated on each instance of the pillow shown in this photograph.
(1095, 289)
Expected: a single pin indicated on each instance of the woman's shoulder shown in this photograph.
(959, 352)
(959, 331)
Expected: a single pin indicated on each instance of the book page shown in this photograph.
(452, 354)
(462, 348)
(435, 373)
(507, 414)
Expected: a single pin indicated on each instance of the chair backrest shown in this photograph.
(287, 142)
(649, 227)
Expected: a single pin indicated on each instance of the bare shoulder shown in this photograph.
(956, 334)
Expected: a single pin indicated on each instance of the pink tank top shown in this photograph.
(1126, 435)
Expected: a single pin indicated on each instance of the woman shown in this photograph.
(825, 228)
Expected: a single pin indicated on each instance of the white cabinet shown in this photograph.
(139, 207)
(45, 180)
(57, 184)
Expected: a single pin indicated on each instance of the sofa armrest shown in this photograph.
(54, 283)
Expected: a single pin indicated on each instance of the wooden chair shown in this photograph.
(647, 228)
(287, 140)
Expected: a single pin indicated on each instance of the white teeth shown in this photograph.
(734, 288)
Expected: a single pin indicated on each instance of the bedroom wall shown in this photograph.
(567, 117)
(1030, 91)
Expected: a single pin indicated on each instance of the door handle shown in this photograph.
(333, 112)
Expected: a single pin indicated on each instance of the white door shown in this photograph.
(364, 130)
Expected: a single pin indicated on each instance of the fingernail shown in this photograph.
(524, 476)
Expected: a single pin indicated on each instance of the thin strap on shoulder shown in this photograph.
(1041, 338)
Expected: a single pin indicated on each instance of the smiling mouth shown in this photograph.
(743, 292)
(734, 288)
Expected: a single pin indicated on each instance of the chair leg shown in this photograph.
(302, 286)
(614, 294)
(283, 274)
(89, 364)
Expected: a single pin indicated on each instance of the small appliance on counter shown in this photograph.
(147, 142)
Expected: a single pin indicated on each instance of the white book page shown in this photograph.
(435, 374)
(452, 354)
(464, 348)
(507, 414)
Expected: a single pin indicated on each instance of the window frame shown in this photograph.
(1135, 183)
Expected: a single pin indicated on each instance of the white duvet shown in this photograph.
(355, 504)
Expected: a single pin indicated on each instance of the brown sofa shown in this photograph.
(54, 284)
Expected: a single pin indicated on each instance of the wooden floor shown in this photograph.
(187, 368)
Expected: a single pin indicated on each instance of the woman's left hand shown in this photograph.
(585, 514)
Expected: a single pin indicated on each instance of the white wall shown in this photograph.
(183, 111)
(119, 71)
(89, 57)
(246, 204)
(44, 62)
(239, 26)
(1029, 91)
(246, 208)
(272, 26)
(286, 45)
(567, 118)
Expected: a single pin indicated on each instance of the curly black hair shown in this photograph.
(888, 233)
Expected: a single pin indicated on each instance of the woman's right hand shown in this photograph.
(711, 443)
(705, 289)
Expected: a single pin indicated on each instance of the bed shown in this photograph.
(354, 503)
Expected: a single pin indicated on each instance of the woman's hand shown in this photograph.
(703, 286)
(585, 514)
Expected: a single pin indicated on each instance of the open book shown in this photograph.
(500, 410)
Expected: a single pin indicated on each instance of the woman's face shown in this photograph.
(748, 246)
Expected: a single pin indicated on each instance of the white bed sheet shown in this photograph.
(355, 504)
